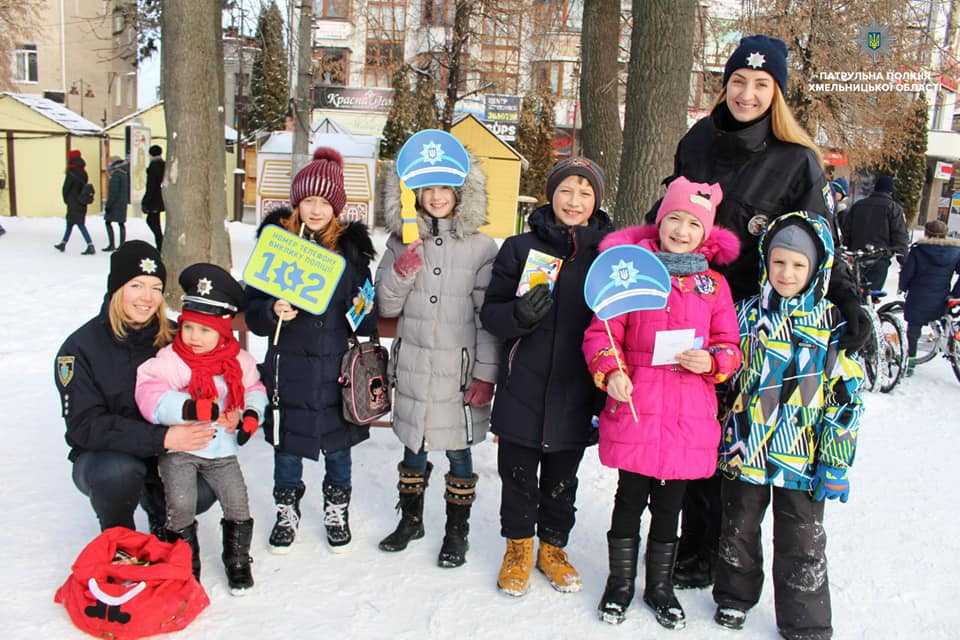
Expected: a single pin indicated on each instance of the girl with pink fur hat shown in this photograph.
(677, 435)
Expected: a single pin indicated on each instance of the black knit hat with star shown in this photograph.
(760, 53)
(134, 258)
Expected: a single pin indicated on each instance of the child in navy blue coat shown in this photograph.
(926, 277)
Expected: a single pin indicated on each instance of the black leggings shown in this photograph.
(123, 233)
(913, 337)
(633, 492)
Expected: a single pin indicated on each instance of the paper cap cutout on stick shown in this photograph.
(626, 278)
(432, 158)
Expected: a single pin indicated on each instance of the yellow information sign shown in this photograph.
(293, 269)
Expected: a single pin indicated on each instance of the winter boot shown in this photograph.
(911, 365)
(619, 591)
(108, 248)
(60, 246)
(411, 487)
(336, 516)
(730, 617)
(460, 494)
(89, 251)
(189, 535)
(236, 555)
(552, 562)
(288, 519)
(658, 592)
(514, 577)
(694, 572)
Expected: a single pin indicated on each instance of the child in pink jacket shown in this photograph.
(205, 376)
(677, 436)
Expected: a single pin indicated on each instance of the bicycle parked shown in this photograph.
(885, 354)
(942, 336)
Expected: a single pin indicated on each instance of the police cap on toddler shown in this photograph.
(210, 290)
(432, 158)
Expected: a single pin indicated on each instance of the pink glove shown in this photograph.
(409, 262)
(479, 393)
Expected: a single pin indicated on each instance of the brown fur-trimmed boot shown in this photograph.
(459, 496)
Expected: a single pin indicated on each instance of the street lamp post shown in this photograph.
(88, 93)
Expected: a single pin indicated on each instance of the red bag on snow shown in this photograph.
(126, 601)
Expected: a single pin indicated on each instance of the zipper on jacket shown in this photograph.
(464, 368)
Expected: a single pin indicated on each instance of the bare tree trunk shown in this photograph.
(658, 86)
(458, 44)
(600, 135)
(302, 102)
(194, 192)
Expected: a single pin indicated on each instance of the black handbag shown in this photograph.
(363, 381)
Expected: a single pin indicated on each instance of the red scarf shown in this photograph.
(221, 361)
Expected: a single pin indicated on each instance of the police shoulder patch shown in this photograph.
(65, 369)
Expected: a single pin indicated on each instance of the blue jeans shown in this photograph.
(288, 469)
(461, 461)
(83, 232)
(116, 482)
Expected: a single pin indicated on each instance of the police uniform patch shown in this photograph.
(828, 198)
(65, 369)
(757, 224)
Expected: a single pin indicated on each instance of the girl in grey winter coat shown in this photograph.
(118, 197)
(444, 364)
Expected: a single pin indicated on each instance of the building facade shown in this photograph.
(81, 56)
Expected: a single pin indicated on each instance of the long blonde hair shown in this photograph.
(327, 237)
(120, 321)
(784, 126)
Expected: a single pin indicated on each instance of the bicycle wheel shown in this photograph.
(871, 354)
(893, 350)
(928, 346)
(953, 348)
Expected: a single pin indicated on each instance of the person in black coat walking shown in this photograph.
(118, 197)
(301, 372)
(77, 193)
(152, 202)
(767, 166)
(877, 221)
(545, 395)
(926, 275)
(113, 449)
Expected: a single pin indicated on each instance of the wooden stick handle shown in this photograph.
(276, 334)
(616, 354)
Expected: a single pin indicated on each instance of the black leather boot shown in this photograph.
(236, 554)
(694, 571)
(658, 592)
(189, 535)
(411, 487)
(621, 583)
(459, 496)
(288, 519)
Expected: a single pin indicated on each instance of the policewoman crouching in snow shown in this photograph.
(301, 372)
(545, 395)
(113, 449)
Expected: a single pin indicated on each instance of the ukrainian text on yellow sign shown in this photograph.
(293, 269)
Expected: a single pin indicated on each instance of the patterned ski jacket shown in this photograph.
(797, 399)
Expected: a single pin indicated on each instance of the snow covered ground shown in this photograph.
(894, 549)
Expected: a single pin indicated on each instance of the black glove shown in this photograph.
(533, 306)
(858, 328)
(205, 410)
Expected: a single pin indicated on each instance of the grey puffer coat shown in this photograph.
(440, 347)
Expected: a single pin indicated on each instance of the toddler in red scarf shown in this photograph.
(205, 376)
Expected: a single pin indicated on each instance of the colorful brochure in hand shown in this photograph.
(540, 268)
(363, 306)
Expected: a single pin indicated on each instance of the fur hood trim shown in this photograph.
(721, 248)
(469, 214)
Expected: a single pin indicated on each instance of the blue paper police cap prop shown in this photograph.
(626, 278)
(432, 158)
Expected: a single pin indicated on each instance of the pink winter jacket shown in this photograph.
(677, 435)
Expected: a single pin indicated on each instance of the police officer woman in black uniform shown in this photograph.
(113, 449)
(767, 166)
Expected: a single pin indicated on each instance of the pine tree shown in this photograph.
(910, 168)
(535, 133)
(400, 120)
(268, 80)
(425, 103)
